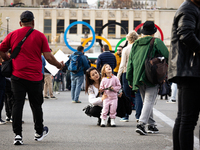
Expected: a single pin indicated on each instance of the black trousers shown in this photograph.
(188, 112)
(34, 89)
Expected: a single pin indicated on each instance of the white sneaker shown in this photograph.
(171, 101)
(18, 140)
(57, 92)
(2, 122)
(112, 122)
(103, 122)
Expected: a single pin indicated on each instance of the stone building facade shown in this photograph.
(54, 21)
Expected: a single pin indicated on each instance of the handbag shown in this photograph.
(6, 67)
(155, 67)
(165, 88)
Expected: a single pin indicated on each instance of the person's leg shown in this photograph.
(105, 108)
(149, 100)
(188, 112)
(174, 91)
(18, 87)
(127, 91)
(49, 85)
(138, 104)
(113, 108)
(73, 87)
(45, 85)
(96, 111)
(36, 100)
(79, 82)
(2, 92)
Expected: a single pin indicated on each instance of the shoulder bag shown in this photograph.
(155, 67)
(6, 67)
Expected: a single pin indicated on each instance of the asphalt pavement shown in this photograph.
(71, 129)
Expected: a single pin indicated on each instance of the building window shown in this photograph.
(73, 29)
(98, 25)
(47, 29)
(124, 24)
(136, 23)
(111, 28)
(47, 25)
(60, 26)
(85, 29)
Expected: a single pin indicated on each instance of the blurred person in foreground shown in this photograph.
(184, 69)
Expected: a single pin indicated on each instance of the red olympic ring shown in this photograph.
(159, 29)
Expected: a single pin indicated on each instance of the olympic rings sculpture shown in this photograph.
(101, 38)
(84, 23)
(123, 39)
(110, 23)
(97, 37)
(139, 26)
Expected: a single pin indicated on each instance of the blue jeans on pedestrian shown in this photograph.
(137, 101)
(138, 104)
(76, 82)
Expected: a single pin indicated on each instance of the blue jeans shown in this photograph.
(137, 101)
(138, 104)
(76, 82)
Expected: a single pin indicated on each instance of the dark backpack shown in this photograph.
(73, 64)
(155, 67)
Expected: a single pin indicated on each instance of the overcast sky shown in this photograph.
(91, 1)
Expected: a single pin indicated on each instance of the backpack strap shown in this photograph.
(151, 46)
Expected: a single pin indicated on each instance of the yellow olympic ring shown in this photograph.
(97, 37)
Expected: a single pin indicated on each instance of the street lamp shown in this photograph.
(7, 18)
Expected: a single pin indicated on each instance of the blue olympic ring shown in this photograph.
(74, 23)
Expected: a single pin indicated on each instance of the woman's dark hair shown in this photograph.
(88, 80)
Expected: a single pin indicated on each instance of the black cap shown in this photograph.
(26, 16)
(149, 28)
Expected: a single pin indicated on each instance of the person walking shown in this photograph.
(78, 77)
(106, 58)
(27, 74)
(137, 101)
(184, 69)
(137, 79)
(118, 55)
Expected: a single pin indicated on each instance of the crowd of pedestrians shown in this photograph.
(116, 75)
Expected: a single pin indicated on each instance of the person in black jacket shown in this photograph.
(184, 69)
(106, 58)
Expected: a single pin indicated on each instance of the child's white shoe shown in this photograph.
(112, 123)
(103, 122)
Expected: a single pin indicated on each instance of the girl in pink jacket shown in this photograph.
(110, 85)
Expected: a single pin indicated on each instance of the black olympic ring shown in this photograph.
(110, 23)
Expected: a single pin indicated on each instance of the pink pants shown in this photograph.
(110, 102)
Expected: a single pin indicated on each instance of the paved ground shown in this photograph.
(71, 129)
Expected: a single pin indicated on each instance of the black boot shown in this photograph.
(99, 122)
